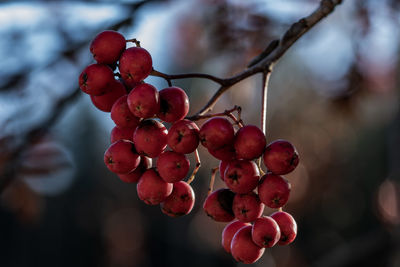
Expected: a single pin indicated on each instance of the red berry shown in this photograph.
(247, 207)
(134, 176)
(121, 157)
(150, 138)
(229, 231)
(180, 202)
(107, 47)
(243, 248)
(172, 166)
(280, 157)
(265, 232)
(222, 167)
(273, 190)
(122, 116)
(287, 225)
(218, 205)
(143, 101)
(152, 189)
(183, 137)
(118, 133)
(241, 176)
(249, 142)
(135, 64)
(96, 79)
(216, 133)
(106, 101)
(174, 104)
(226, 153)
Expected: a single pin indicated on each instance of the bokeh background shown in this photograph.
(334, 95)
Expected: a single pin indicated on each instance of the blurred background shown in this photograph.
(334, 95)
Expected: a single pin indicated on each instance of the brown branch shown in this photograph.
(168, 77)
(264, 62)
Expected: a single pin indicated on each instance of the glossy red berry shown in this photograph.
(135, 64)
(247, 207)
(241, 176)
(122, 116)
(106, 101)
(216, 133)
(265, 232)
(174, 104)
(150, 138)
(172, 166)
(118, 133)
(96, 79)
(183, 137)
(134, 176)
(280, 157)
(273, 190)
(107, 47)
(229, 231)
(226, 153)
(218, 205)
(287, 225)
(143, 101)
(249, 142)
(121, 157)
(243, 248)
(180, 202)
(152, 189)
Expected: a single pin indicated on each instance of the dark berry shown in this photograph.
(143, 101)
(180, 202)
(107, 47)
(287, 225)
(265, 232)
(174, 104)
(273, 190)
(183, 136)
(152, 189)
(96, 79)
(241, 176)
(172, 166)
(121, 157)
(280, 157)
(218, 205)
(243, 248)
(150, 138)
(249, 142)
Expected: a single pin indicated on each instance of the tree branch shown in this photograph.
(264, 62)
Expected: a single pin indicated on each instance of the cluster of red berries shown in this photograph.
(139, 110)
(241, 175)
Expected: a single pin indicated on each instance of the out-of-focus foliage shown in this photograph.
(334, 95)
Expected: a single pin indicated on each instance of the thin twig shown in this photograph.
(264, 102)
(135, 41)
(225, 113)
(168, 77)
(211, 185)
(196, 168)
(265, 64)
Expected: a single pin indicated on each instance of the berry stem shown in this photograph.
(135, 41)
(227, 112)
(196, 168)
(264, 102)
(211, 186)
(259, 166)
